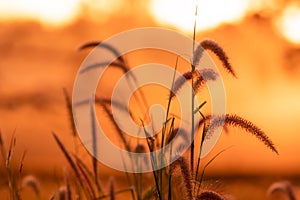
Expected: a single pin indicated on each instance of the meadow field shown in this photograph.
(44, 157)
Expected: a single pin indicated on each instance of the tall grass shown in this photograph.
(14, 178)
(162, 186)
(87, 183)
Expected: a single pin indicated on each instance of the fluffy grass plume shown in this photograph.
(182, 163)
(283, 186)
(209, 195)
(236, 121)
(33, 183)
(200, 78)
(213, 46)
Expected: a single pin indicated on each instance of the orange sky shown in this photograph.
(38, 60)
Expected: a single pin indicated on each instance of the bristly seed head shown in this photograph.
(209, 195)
(185, 174)
(31, 181)
(234, 120)
(140, 148)
(285, 187)
(217, 50)
(201, 76)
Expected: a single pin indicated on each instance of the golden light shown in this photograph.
(55, 12)
(289, 23)
(211, 13)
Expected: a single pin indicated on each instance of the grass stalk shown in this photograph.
(193, 95)
(170, 174)
(95, 149)
(78, 174)
(153, 163)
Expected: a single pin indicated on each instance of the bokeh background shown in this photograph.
(38, 57)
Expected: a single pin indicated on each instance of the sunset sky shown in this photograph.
(38, 57)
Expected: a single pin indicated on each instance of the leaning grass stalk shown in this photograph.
(119, 131)
(193, 95)
(120, 64)
(200, 149)
(128, 178)
(205, 166)
(68, 186)
(73, 166)
(22, 162)
(199, 107)
(10, 149)
(132, 191)
(12, 180)
(165, 124)
(121, 61)
(88, 188)
(150, 193)
(95, 149)
(71, 118)
(2, 148)
(193, 126)
(152, 164)
(87, 174)
(139, 149)
(70, 113)
(112, 188)
(195, 27)
(170, 174)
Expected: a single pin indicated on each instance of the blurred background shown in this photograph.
(38, 57)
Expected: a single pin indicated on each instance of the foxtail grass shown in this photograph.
(217, 50)
(102, 45)
(209, 195)
(182, 163)
(201, 76)
(162, 187)
(285, 187)
(236, 121)
(32, 182)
